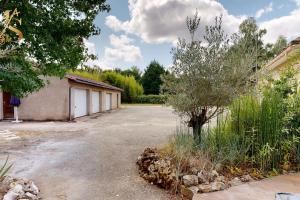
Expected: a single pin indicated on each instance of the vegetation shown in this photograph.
(4, 169)
(132, 89)
(151, 79)
(53, 43)
(263, 133)
(206, 78)
(151, 99)
(133, 71)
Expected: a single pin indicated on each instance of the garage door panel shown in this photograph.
(108, 101)
(95, 102)
(80, 102)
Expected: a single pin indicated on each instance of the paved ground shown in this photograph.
(261, 190)
(94, 158)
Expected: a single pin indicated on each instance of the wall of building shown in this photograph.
(56, 102)
(103, 93)
(49, 103)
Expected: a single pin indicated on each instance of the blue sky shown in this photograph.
(149, 29)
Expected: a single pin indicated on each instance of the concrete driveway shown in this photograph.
(94, 158)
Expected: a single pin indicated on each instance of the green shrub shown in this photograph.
(132, 89)
(96, 76)
(151, 99)
(261, 131)
(4, 169)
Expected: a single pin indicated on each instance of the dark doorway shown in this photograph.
(8, 110)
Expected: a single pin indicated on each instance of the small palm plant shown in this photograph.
(4, 169)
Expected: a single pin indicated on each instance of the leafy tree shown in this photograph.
(206, 75)
(279, 45)
(53, 40)
(250, 37)
(133, 71)
(151, 79)
(131, 87)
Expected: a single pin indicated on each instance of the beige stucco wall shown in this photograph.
(49, 103)
(102, 91)
(56, 102)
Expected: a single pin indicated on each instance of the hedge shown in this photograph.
(151, 99)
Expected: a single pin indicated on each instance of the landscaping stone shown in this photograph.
(202, 177)
(220, 179)
(190, 180)
(156, 170)
(19, 189)
(204, 188)
(217, 186)
(187, 192)
(235, 182)
(246, 178)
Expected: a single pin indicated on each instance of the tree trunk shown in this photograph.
(197, 129)
(196, 122)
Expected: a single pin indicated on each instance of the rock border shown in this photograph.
(159, 171)
(20, 189)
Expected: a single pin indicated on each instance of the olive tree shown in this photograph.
(207, 74)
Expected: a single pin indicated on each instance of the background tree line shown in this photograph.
(137, 87)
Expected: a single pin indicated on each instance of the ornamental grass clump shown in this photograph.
(259, 131)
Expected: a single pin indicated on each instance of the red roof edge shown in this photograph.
(80, 79)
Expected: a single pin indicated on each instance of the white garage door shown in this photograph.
(96, 102)
(80, 102)
(108, 102)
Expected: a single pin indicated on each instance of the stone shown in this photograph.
(190, 180)
(18, 189)
(246, 178)
(194, 189)
(235, 182)
(217, 186)
(202, 178)
(10, 195)
(204, 188)
(220, 179)
(31, 196)
(186, 192)
(213, 175)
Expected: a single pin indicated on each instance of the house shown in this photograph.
(275, 66)
(64, 99)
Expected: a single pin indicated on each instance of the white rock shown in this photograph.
(10, 196)
(190, 180)
(220, 179)
(235, 182)
(202, 177)
(204, 188)
(216, 186)
(32, 196)
(18, 189)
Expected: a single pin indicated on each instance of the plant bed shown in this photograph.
(161, 169)
(18, 189)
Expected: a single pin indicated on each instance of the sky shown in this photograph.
(135, 32)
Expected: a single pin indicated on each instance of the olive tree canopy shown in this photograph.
(207, 74)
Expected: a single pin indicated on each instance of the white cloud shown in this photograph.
(265, 10)
(285, 25)
(159, 21)
(122, 49)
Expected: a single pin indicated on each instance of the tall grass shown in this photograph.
(260, 131)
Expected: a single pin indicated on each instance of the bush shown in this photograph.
(262, 132)
(151, 99)
(132, 89)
